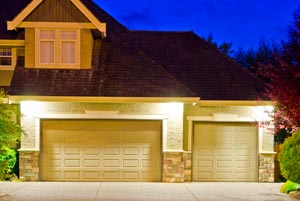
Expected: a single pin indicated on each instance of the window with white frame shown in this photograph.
(58, 48)
(6, 57)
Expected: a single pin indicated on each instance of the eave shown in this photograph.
(235, 103)
(15, 43)
(99, 99)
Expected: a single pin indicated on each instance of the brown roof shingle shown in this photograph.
(199, 65)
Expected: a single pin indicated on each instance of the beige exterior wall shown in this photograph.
(242, 112)
(176, 124)
(31, 112)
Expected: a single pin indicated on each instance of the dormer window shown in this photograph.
(5, 57)
(58, 48)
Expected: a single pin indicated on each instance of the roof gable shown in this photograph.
(73, 11)
(56, 11)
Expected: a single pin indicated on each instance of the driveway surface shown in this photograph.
(111, 191)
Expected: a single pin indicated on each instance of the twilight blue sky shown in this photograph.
(242, 22)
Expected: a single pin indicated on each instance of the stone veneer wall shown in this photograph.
(29, 165)
(177, 167)
(266, 167)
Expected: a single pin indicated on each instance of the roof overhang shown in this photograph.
(100, 99)
(17, 21)
(14, 43)
(235, 103)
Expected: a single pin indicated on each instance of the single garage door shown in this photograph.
(225, 152)
(101, 150)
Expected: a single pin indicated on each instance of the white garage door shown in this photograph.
(225, 152)
(98, 150)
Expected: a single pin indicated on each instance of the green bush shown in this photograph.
(289, 158)
(289, 186)
(8, 160)
(10, 132)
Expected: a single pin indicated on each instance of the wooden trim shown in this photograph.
(234, 103)
(11, 25)
(57, 25)
(12, 42)
(100, 26)
(99, 99)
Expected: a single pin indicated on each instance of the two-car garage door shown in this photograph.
(225, 152)
(101, 150)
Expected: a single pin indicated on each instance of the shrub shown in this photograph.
(289, 186)
(10, 132)
(289, 158)
(8, 160)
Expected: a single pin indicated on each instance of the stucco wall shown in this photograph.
(253, 112)
(174, 111)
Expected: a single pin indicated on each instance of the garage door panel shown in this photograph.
(72, 150)
(93, 151)
(107, 163)
(131, 175)
(131, 150)
(111, 175)
(205, 152)
(225, 164)
(56, 163)
(72, 175)
(131, 163)
(241, 176)
(92, 163)
(243, 163)
(224, 152)
(111, 150)
(224, 176)
(54, 175)
(205, 163)
(243, 152)
(92, 175)
(54, 150)
(204, 176)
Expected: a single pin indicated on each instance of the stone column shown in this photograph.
(266, 167)
(29, 165)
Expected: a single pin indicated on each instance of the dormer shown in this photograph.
(58, 34)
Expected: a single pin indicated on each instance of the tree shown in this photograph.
(225, 47)
(252, 58)
(10, 133)
(282, 78)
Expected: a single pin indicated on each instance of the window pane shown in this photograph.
(68, 53)
(47, 34)
(47, 52)
(5, 57)
(68, 35)
(5, 61)
(5, 52)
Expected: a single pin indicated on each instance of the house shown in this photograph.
(100, 102)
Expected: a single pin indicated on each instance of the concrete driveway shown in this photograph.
(111, 191)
